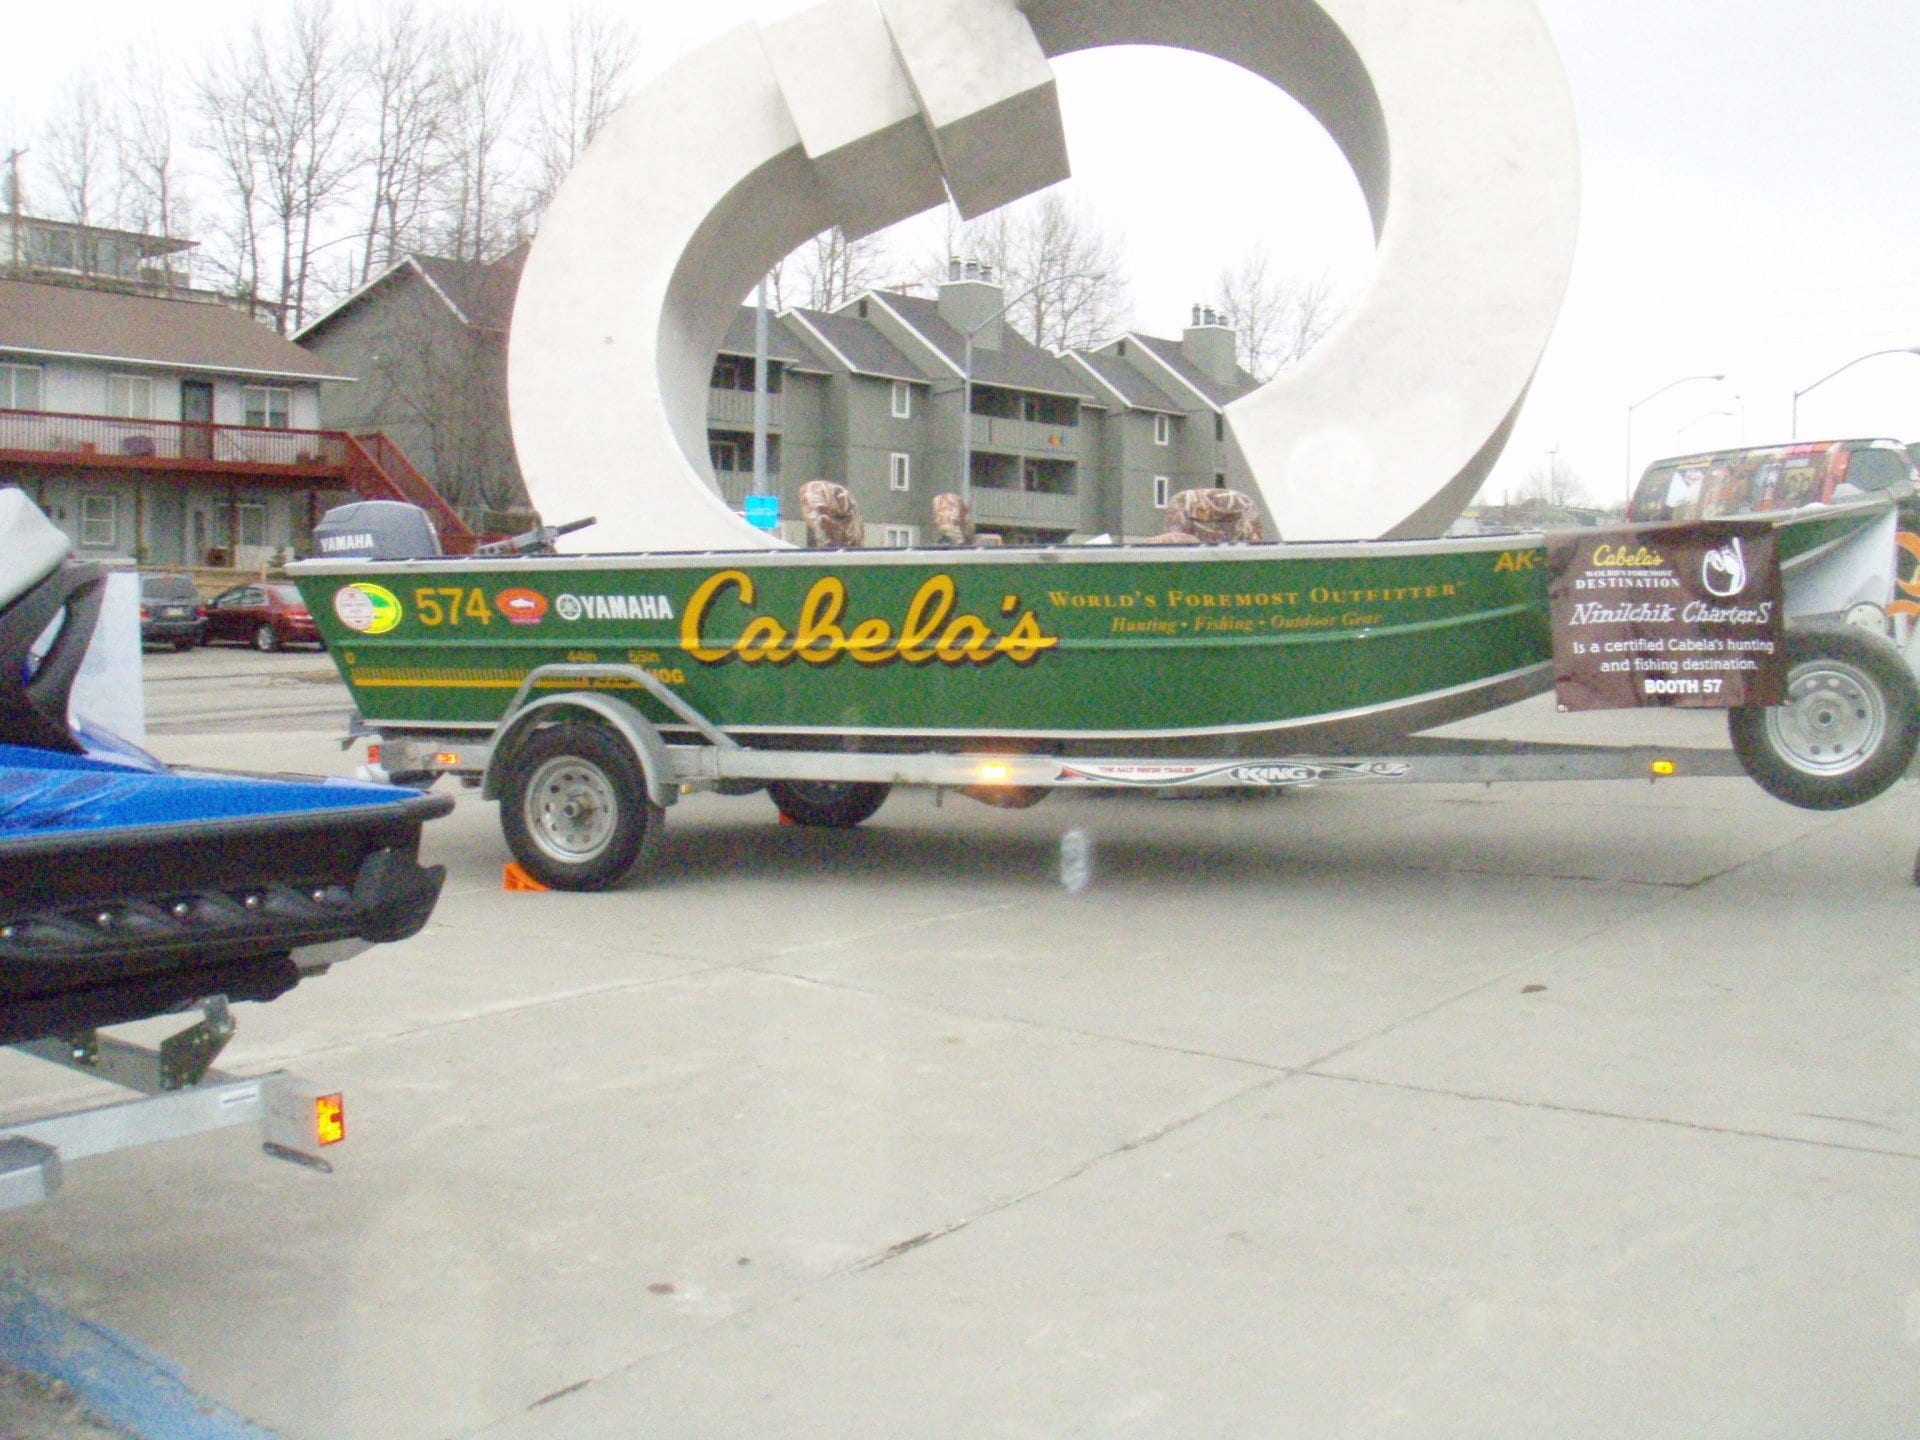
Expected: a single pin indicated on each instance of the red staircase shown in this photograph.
(378, 469)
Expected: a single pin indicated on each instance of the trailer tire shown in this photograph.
(574, 807)
(829, 804)
(1848, 729)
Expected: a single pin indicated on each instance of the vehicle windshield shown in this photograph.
(287, 595)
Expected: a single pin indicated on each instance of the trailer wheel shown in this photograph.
(1848, 729)
(575, 808)
(831, 804)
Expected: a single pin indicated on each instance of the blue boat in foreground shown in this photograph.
(129, 888)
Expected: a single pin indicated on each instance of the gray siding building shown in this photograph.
(872, 396)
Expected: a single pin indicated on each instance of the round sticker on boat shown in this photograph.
(369, 609)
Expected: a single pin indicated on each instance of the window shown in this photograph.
(253, 525)
(902, 400)
(735, 372)
(1163, 429)
(97, 528)
(902, 537)
(899, 474)
(1162, 491)
(269, 407)
(130, 397)
(731, 452)
(1219, 425)
(19, 387)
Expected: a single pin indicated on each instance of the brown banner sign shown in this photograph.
(1680, 615)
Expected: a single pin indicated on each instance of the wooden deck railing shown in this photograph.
(372, 466)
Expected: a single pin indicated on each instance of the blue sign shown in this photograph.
(763, 511)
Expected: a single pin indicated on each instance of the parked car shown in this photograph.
(266, 615)
(170, 611)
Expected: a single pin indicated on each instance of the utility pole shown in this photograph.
(13, 206)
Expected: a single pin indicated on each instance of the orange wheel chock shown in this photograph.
(515, 877)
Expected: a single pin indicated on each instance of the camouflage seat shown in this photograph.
(833, 520)
(1211, 517)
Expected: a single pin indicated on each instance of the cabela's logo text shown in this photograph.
(931, 630)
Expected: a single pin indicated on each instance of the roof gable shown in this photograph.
(478, 294)
(102, 325)
(1017, 364)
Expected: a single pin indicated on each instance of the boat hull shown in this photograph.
(1322, 644)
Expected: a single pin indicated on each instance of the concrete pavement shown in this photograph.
(1531, 1110)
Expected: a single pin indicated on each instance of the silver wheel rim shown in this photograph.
(1834, 719)
(570, 809)
(263, 638)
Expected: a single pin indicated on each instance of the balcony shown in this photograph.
(1026, 437)
(40, 437)
(735, 407)
(737, 485)
(371, 466)
(1038, 509)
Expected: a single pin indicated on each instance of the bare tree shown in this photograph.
(1552, 481)
(1279, 317)
(577, 90)
(440, 387)
(1063, 267)
(830, 269)
(277, 112)
(224, 100)
(480, 202)
(75, 148)
(302, 116)
(408, 92)
(152, 198)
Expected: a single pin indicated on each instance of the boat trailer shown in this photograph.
(180, 1094)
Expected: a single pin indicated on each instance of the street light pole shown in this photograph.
(1671, 384)
(1793, 430)
(966, 433)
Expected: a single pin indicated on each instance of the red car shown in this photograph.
(266, 616)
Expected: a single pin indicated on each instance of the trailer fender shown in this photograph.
(619, 716)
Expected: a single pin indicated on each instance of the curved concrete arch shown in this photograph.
(1456, 121)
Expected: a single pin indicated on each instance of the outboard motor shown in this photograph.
(376, 530)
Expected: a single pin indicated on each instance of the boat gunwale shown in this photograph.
(1110, 554)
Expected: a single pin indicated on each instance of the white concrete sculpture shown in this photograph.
(1455, 119)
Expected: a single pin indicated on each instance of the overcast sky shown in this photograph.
(1750, 204)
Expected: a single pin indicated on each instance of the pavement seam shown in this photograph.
(891, 1252)
(1596, 1112)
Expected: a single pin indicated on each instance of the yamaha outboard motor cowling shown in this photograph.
(375, 530)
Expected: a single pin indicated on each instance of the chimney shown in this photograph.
(971, 297)
(1210, 344)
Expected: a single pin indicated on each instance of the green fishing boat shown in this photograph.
(588, 691)
(1089, 645)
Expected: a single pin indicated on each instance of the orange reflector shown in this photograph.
(515, 877)
(446, 757)
(1663, 767)
(329, 1119)
(373, 753)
